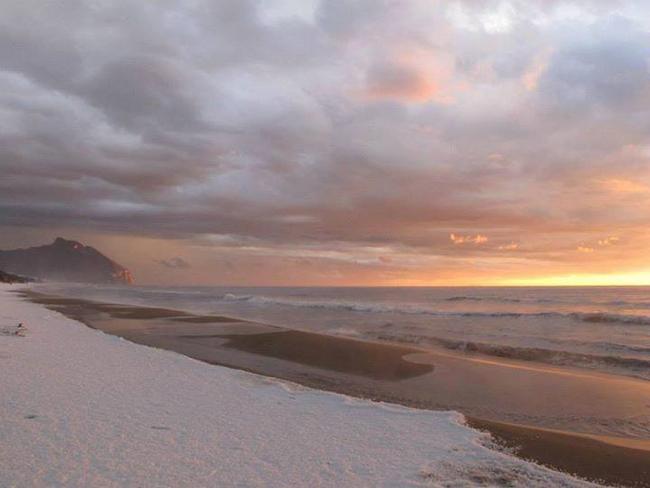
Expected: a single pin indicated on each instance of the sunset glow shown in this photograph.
(624, 279)
(327, 143)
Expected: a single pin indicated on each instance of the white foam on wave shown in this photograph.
(407, 309)
(345, 331)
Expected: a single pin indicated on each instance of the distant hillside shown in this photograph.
(12, 278)
(64, 260)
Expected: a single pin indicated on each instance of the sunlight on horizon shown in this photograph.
(615, 279)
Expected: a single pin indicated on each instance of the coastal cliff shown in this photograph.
(64, 260)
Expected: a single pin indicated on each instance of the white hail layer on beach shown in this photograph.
(80, 408)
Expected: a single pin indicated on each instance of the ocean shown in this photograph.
(599, 328)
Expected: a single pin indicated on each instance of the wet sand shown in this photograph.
(330, 353)
(573, 454)
(604, 420)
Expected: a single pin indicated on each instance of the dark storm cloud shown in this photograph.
(368, 123)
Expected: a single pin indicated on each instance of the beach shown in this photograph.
(83, 408)
(500, 397)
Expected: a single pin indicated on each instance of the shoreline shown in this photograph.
(589, 458)
(82, 408)
(362, 369)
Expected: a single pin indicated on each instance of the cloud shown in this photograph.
(508, 247)
(608, 241)
(174, 263)
(477, 239)
(585, 249)
(399, 81)
(329, 125)
(618, 185)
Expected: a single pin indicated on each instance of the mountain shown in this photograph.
(64, 260)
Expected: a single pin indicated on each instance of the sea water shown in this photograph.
(601, 328)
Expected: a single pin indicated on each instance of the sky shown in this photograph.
(307, 142)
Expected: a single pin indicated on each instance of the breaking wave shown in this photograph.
(349, 306)
(602, 317)
(637, 367)
(470, 298)
(538, 300)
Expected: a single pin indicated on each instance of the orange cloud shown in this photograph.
(477, 239)
(617, 185)
(608, 241)
(509, 247)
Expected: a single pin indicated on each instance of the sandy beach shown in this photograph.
(83, 408)
(500, 396)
